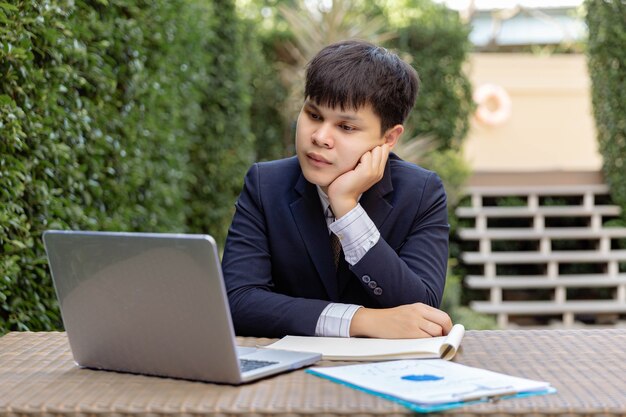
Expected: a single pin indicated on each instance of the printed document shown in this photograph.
(428, 385)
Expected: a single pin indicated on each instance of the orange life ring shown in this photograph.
(494, 104)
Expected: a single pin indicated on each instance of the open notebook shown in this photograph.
(365, 349)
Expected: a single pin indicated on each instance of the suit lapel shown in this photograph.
(308, 216)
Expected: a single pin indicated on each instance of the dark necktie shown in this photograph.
(335, 244)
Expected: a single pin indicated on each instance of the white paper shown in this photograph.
(340, 348)
(430, 382)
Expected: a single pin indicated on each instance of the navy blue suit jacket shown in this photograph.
(278, 265)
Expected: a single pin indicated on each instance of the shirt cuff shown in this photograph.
(356, 232)
(335, 320)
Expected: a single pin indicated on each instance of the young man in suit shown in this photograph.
(344, 239)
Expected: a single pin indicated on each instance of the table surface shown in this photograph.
(588, 368)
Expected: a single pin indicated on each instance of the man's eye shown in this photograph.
(347, 128)
(314, 116)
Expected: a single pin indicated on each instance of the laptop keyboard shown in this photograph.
(249, 365)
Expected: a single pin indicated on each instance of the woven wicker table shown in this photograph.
(588, 367)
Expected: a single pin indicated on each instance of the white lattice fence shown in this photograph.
(545, 252)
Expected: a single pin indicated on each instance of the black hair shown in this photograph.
(353, 74)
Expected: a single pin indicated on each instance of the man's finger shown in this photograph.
(366, 158)
(376, 157)
(436, 316)
(384, 156)
(433, 329)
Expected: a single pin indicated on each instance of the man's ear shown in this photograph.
(392, 135)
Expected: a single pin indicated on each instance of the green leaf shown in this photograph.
(9, 7)
(6, 100)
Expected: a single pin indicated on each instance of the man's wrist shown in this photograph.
(361, 324)
(342, 206)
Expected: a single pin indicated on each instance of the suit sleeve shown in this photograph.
(416, 270)
(247, 264)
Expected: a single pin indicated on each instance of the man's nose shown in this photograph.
(323, 136)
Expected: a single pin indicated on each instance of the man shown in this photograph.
(345, 239)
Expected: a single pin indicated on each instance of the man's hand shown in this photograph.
(345, 190)
(404, 322)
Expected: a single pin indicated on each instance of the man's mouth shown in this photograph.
(317, 158)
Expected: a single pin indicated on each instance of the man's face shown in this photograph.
(330, 141)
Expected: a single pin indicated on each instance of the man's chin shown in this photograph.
(318, 180)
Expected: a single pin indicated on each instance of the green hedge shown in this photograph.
(606, 20)
(274, 135)
(114, 115)
(222, 147)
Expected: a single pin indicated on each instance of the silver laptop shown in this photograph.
(153, 304)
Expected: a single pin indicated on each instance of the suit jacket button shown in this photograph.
(366, 278)
(372, 284)
(378, 291)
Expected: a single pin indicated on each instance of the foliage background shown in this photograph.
(137, 115)
(115, 115)
(607, 67)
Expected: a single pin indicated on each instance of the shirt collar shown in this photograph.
(323, 199)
